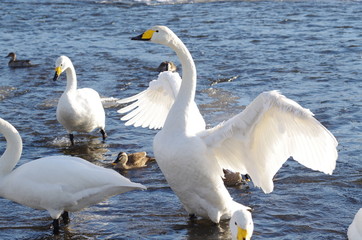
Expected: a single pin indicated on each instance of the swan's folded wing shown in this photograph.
(272, 128)
(151, 106)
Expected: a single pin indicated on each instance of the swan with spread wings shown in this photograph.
(256, 141)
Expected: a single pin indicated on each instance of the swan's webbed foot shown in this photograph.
(56, 226)
(104, 134)
(71, 137)
(65, 216)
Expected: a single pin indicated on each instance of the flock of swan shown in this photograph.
(256, 142)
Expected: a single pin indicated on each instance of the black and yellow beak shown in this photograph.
(58, 71)
(243, 234)
(146, 36)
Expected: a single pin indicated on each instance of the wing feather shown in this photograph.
(271, 129)
(151, 106)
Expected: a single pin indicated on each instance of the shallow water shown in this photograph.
(309, 50)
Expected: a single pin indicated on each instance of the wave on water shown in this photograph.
(156, 2)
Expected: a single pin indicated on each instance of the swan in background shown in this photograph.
(126, 161)
(241, 225)
(15, 63)
(355, 229)
(79, 110)
(256, 141)
(58, 184)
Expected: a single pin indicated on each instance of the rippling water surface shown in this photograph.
(309, 50)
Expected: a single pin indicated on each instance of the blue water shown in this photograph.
(309, 50)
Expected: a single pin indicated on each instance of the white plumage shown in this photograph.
(79, 110)
(241, 225)
(256, 141)
(57, 184)
(355, 229)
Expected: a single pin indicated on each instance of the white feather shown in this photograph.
(355, 229)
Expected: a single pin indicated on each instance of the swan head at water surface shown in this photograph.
(241, 225)
(58, 184)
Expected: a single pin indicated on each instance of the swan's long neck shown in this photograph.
(178, 114)
(71, 78)
(13, 150)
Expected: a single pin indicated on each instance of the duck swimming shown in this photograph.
(167, 66)
(14, 63)
(58, 184)
(126, 161)
(256, 141)
(79, 110)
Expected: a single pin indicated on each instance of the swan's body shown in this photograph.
(58, 184)
(355, 229)
(126, 161)
(257, 141)
(79, 110)
(241, 225)
(15, 63)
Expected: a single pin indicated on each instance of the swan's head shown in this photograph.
(241, 225)
(61, 64)
(158, 34)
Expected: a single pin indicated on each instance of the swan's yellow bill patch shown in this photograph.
(148, 34)
(242, 234)
(58, 70)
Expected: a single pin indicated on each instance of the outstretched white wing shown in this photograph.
(271, 129)
(151, 106)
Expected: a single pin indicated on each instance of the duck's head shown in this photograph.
(241, 225)
(11, 55)
(157, 34)
(122, 158)
(61, 64)
(167, 66)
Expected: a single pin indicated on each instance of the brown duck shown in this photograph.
(126, 161)
(14, 63)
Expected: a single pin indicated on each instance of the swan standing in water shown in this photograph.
(256, 141)
(79, 110)
(58, 184)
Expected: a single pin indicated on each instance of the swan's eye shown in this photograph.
(236, 224)
(156, 30)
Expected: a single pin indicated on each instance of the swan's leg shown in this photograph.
(104, 134)
(65, 216)
(56, 226)
(71, 137)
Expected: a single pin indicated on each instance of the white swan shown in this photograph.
(355, 229)
(79, 110)
(257, 141)
(58, 184)
(241, 225)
